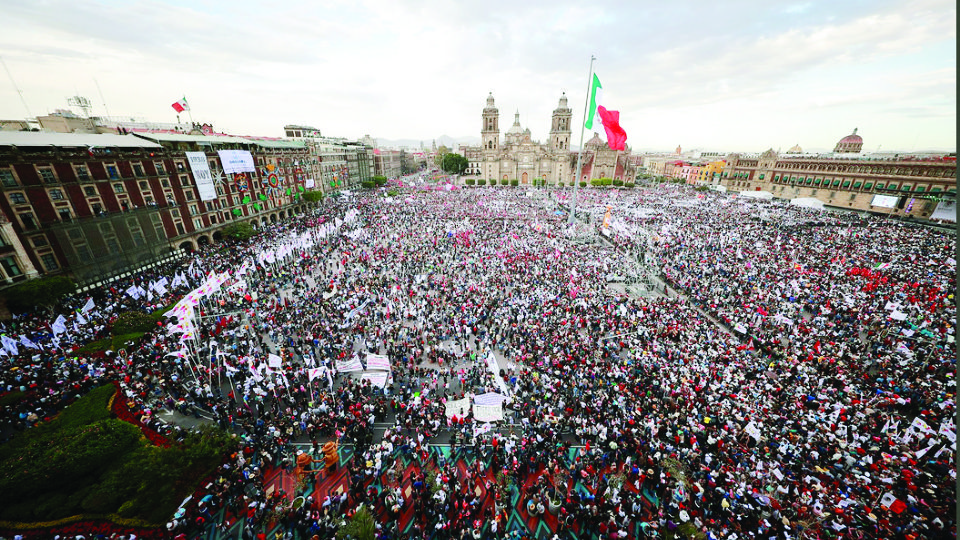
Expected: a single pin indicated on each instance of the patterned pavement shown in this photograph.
(335, 483)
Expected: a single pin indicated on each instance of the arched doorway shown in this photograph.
(523, 178)
(273, 218)
(217, 236)
(187, 246)
(203, 241)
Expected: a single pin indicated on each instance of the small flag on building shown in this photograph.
(181, 105)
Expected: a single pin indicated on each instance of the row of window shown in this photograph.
(884, 170)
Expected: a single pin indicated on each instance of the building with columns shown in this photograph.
(519, 157)
(907, 185)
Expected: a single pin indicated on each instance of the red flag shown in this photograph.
(616, 136)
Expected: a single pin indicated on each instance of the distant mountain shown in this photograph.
(445, 140)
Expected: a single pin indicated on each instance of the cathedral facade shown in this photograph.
(519, 157)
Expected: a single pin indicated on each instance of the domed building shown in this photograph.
(519, 156)
(795, 149)
(599, 161)
(851, 144)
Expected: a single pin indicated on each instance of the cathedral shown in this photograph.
(518, 157)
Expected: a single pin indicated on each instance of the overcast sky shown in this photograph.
(742, 75)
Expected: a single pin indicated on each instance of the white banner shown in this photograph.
(378, 378)
(490, 398)
(378, 361)
(487, 413)
(309, 183)
(458, 407)
(884, 201)
(201, 173)
(236, 161)
(349, 365)
(946, 210)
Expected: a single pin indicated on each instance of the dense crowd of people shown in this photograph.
(796, 379)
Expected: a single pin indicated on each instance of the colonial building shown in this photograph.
(99, 205)
(519, 157)
(909, 184)
(386, 162)
(599, 161)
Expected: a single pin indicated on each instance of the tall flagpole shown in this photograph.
(576, 178)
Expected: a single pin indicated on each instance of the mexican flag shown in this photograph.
(181, 105)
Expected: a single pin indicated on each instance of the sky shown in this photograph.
(738, 75)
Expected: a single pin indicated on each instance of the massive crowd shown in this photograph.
(796, 379)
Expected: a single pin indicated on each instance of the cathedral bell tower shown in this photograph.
(560, 126)
(491, 127)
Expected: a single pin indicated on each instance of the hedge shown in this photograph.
(628, 185)
(514, 182)
(481, 182)
(87, 462)
(469, 181)
(583, 184)
(504, 182)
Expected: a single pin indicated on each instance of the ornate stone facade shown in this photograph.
(518, 156)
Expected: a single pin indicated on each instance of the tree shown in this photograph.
(367, 184)
(469, 181)
(43, 292)
(454, 163)
(504, 181)
(441, 152)
(242, 230)
(514, 182)
(313, 196)
(379, 180)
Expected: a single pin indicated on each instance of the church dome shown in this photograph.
(563, 101)
(594, 141)
(850, 143)
(795, 149)
(515, 129)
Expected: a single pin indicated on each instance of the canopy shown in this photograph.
(765, 195)
(808, 202)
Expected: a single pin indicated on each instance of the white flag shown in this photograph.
(274, 361)
(88, 306)
(59, 326)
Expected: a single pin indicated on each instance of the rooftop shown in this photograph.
(72, 140)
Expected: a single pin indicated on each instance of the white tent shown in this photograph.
(765, 195)
(808, 202)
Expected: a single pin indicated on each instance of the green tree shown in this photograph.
(504, 182)
(43, 292)
(583, 184)
(454, 163)
(313, 196)
(469, 181)
(441, 152)
(617, 182)
(241, 230)
(379, 180)
(367, 184)
(481, 182)
(514, 182)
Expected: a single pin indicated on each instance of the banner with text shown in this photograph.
(201, 173)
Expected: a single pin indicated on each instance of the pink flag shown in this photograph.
(616, 136)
